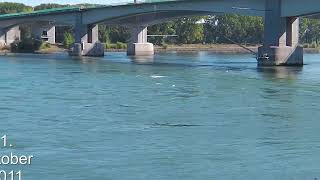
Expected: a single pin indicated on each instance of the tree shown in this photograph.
(104, 34)
(242, 29)
(6, 8)
(309, 31)
(188, 30)
(161, 29)
(118, 34)
(49, 6)
(68, 40)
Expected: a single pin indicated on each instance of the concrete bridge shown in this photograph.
(281, 35)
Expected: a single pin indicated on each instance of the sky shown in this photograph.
(37, 2)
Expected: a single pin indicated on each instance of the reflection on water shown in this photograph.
(171, 116)
(142, 59)
(280, 72)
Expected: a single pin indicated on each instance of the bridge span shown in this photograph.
(281, 29)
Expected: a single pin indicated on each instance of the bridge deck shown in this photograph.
(73, 9)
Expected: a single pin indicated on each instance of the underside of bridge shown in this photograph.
(9, 35)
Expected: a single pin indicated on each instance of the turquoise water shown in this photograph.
(175, 116)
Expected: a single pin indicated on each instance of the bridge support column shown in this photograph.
(86, 41)
(8, 36)
(281, 39)
(139, 45)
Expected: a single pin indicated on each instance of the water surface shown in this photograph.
(174, 116)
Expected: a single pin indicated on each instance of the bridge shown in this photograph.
(281, 28)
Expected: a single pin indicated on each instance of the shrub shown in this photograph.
(105, 37)
(26, 45)
(121, 45)
(165, 45)
(67, 40)
(44, 45)
(48, 45)
(305, 45)
(108, 45)
(118, 45)
(314, 45)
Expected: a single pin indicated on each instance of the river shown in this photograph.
(175, 116)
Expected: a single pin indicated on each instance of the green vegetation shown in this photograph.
(68, 39)
(104, 34)
(167, 28)
(310, 32)
(54, 5)
(27, 46)
(7, 7)
(48, 6)
(118, 45)
(117, 34)
(165, 45)
(44, 45)
(209, 29)
(189, 31)
(242, 29)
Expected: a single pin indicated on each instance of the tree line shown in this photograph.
(188, 30)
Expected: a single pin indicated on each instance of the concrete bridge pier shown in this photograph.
(9, 35)
(44, 32)
(281, 38)
(86, 41)
(139, 46)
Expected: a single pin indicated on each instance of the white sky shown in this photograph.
(37, 2)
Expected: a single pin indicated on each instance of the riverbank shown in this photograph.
(51, 50)
(215, 48)
(218, 48)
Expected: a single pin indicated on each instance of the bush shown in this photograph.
(118, 45)
(165, 45)
(314, 45)
(26, 45)
(48, 45)
(105, 37)
(121, 45)
(67, 40)
(108, 45)
(44, 45)
(305, 45)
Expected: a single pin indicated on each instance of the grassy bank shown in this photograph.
(222, 48)
(219, 48)
(122, 47)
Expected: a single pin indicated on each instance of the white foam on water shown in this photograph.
(157, 77)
